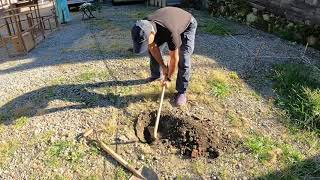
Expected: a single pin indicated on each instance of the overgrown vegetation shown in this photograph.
(241, 11)
(298, 89)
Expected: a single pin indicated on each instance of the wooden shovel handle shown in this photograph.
(121, 160)
(155, 132)
(115, 155)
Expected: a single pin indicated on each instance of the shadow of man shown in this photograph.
(29, 104)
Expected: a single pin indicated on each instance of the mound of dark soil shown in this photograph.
(194, 137)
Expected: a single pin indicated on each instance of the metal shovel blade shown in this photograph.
(148, 173)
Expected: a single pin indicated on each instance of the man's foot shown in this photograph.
(151, 79)
(181, 99)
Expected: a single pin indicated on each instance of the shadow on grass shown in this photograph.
(81, 95)
(307, 169)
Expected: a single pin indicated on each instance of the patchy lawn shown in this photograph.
(261, 126)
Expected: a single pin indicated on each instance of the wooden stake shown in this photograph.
(155, 132)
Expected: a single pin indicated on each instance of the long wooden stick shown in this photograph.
(155, 132)
(117, 157)
(120, 160)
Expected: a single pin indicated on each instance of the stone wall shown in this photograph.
(305, 11)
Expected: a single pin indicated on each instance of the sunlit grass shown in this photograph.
(2, 128)
(199, 168)
(20, 123)
(267, 150)
(298, 89)
(219, 84)
(64, 151)
(7, 150)
(92, 75)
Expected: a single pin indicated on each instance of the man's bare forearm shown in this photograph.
(155, 52)
(174, 60)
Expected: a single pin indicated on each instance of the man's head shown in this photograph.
(142, 35)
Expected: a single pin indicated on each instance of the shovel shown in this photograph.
(154, 131)
(144, 173)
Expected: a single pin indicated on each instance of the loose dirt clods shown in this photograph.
(186, 133)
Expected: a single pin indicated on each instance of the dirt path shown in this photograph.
(83, 76)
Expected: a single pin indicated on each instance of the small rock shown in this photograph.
(251, 18)
(266, 17)
(122, 138)
(214, 177)
(255, 10)
(263, 124)
(194, 153)
(174, 150)
(210, 150)
(141, 157)
(307, 22)
(312, 40)
(290, 25)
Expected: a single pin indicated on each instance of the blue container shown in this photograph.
(173, 2)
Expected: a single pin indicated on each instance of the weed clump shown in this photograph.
(7, 150)
(219, 84)
(212, 27)
(298, 89)
(270, 151)
(64, 151)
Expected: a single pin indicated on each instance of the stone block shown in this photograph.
(258, 6)
(312, 2)
(295, 10)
